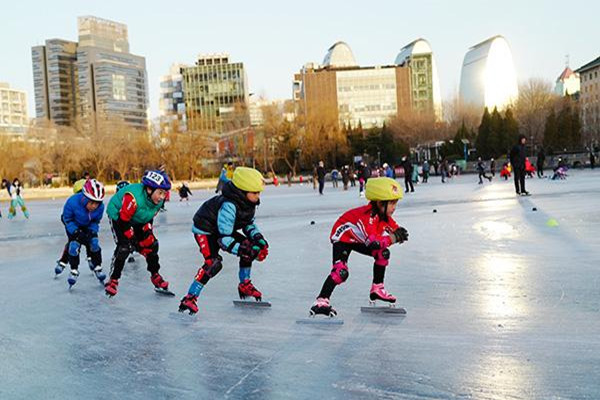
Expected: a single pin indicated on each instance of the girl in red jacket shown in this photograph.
(368, 230)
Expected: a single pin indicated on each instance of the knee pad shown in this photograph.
(339, 272)
(382, 257)
(212, 266)
(94, 245)
(147, 250)
(74, 247)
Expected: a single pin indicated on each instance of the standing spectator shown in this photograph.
(517, 160)
(321, 176)
(493, 167)
(444, 169)
(592, 160)
(345, 176)
(388, 173)
(426, 169)
(541, 157)
(436, 164)
(335, 175)
(408, 170)
(352, 175)
(226, 175)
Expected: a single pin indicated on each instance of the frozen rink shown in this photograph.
(500, 305)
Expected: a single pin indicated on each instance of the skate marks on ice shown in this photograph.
(320, 320)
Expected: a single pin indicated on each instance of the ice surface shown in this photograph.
(500, 304)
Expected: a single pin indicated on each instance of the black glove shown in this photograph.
(400, 235)
(260, 241)
(248, 251)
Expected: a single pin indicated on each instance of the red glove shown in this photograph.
(128, 233)
(262, 254)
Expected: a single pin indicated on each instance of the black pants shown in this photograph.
(321, 185)
(482, 175)
(540, 170)
(341, 252)
(519, 180)
(408, 182)
(143, 241)
(209, 248)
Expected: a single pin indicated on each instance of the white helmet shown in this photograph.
(93, 190)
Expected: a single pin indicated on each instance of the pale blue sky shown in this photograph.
(275, 38)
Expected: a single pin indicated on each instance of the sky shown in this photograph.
(275, 38)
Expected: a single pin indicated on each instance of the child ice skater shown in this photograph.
(216, 227)
(368, 230)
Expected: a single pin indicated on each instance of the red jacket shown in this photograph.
(359, 225)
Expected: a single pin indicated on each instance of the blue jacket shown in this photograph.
(76, 216)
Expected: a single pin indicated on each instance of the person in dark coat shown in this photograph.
(592, 160)
(321, 176)
(518, 154)
(541, 157)
(408, 171)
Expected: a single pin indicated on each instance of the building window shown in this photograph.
(118, 82)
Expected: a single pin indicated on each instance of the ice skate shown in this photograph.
(188, 303)
(111, 287)
(97, 270)
(72, 279)
(60, 267)
(322, 306)
(247, 289)
(378, 292)
(160, 285)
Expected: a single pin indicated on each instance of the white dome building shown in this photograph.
(339, 55)
(488, 77)
(425, 82)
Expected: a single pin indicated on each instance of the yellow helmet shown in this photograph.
(383, 189)
(78, 186)
(248, 179)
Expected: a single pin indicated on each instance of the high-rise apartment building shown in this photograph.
(216, 94)
(171, 102)
(55, 81)
(589, 100)
(13, 110)
(95, 77)
(424, 81)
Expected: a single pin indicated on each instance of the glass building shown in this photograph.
(354, 95)
(55, 81)
(96, 76)
(13, 110)
(424, 81)
(216, 94)
(171, 102)
(488, 77)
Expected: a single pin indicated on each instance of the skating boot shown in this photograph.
(188, 303)
(111, 287)
(72, 279)
(160, 285)
(378, 292)
(247, 289)
(97, 270)
(60, 267)
(322, 306)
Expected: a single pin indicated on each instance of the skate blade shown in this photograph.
(166, 292)
(250, 303)
(320, 321)
(383, 310)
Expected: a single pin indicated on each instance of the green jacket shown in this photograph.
(146, 210)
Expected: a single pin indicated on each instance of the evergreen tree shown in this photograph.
(496, 138)
(551, 132)
(511, 131)
(483, 134)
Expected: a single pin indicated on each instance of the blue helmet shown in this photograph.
(156, 180)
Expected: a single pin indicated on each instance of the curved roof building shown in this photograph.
(488, 77)
(339, 55)
(425, 82)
